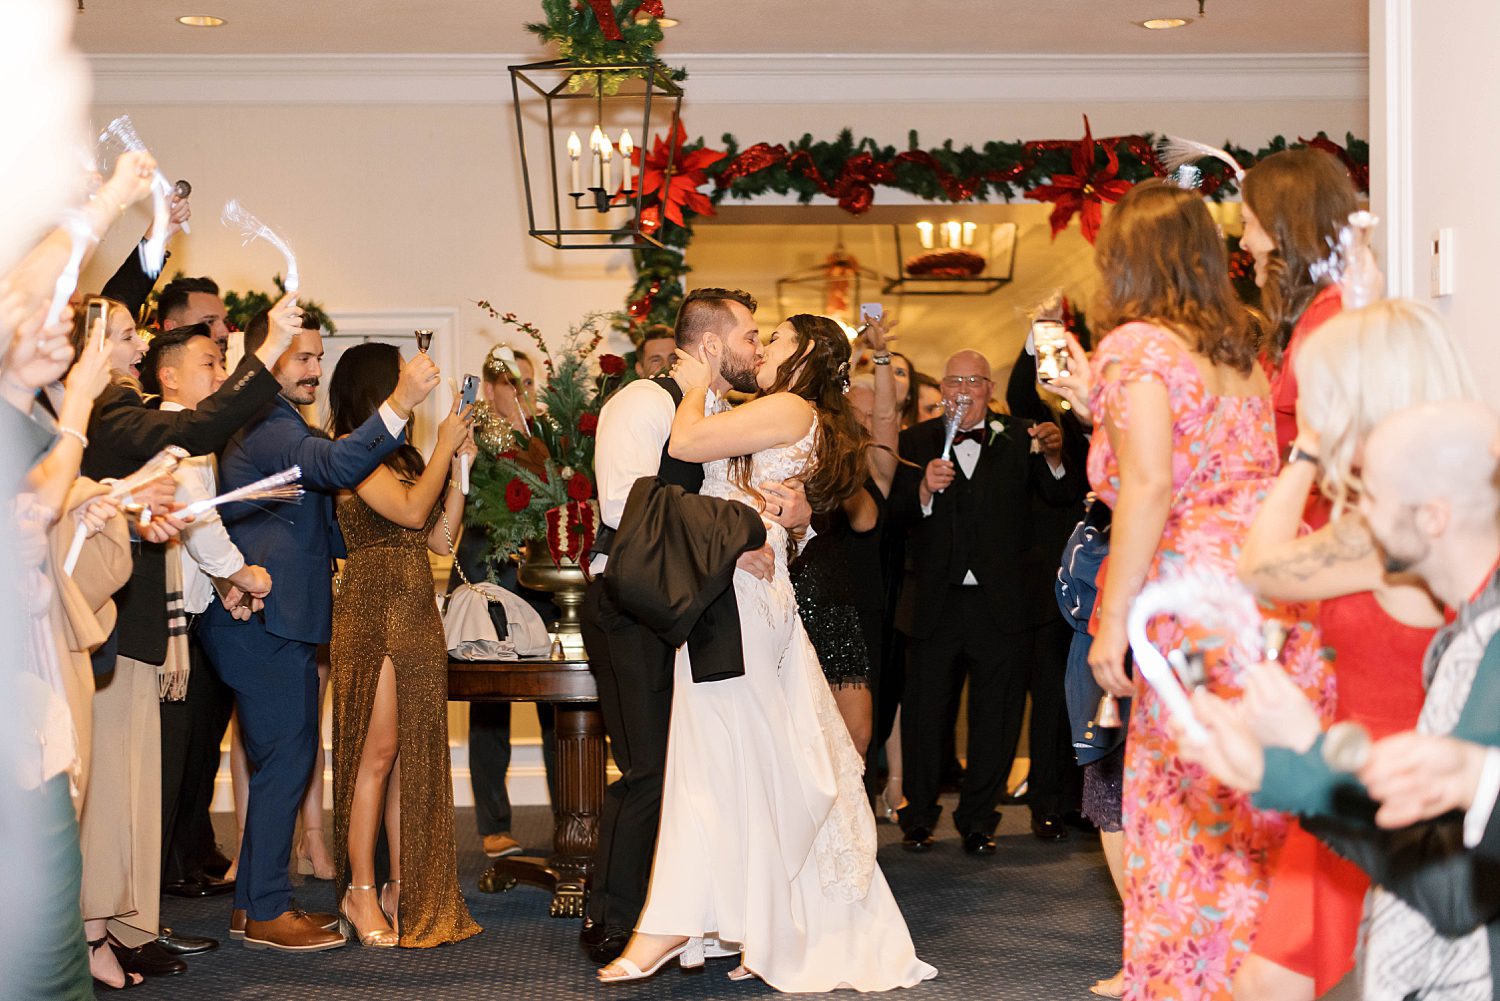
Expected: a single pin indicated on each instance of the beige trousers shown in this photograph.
(121, 822)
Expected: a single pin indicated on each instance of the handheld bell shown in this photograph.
(1107, 716)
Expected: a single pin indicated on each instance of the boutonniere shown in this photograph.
(997, 428)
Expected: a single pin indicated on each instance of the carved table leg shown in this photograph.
(580, 779)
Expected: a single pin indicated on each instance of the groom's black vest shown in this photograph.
(687, 475)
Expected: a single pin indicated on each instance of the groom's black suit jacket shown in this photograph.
(983, 524)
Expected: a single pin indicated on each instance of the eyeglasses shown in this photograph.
(960, 381)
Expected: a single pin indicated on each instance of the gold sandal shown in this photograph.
(384, 938)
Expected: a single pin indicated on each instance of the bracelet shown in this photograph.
(1297, 454)
(83, 439)
(884, 358)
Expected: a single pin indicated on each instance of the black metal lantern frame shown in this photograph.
(657, 90)
(816, 279)
(999, 254)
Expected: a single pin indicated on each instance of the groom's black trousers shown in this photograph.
(633, 670)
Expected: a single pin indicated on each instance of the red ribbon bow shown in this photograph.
(604, 13)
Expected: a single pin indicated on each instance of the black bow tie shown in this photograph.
(972, 434)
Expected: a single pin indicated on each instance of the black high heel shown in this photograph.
(94, 946)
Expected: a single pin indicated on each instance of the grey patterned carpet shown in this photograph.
(1035, 921)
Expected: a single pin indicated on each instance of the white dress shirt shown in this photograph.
(1478, 816)
(966, 455)
(206, 549)
(634, 427)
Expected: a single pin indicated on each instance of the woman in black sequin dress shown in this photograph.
(838, 579)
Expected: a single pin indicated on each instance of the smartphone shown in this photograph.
(871, 311)
(469, 393)
(1049, 337)
(96, 310)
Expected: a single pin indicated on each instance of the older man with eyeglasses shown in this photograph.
(964, 608)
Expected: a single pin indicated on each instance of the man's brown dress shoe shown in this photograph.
(291, 931)
(323, 919)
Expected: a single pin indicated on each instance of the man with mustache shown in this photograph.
(630, 663)
(270, 659)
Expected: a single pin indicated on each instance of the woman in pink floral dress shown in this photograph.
(1188, 453)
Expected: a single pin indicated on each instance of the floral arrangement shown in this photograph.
(537, 483)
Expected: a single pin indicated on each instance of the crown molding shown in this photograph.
(744, 79)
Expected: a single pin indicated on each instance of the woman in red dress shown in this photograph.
(1361, 366)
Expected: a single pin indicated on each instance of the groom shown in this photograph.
(269, 660)
(631, 665)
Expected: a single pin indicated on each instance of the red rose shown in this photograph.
(611, 364)
(588, 424)
(579, 487)
(517, 496)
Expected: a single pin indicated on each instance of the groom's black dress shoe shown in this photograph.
(918, 839)
(1049, 828)
(979, 844)
(609, 947)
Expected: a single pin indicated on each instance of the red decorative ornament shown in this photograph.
(1083, 192)
(604, 13)
(652, 8)
(676, 188)
(517, 496)
(611, 365)
(1359, 173)
(579, 487)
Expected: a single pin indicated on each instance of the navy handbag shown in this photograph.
(1077, 590)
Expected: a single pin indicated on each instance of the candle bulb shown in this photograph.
(925, 230)
(969, 229)
(954, 230)
(575, 150)
(627, 150)
(606, 151)
(596, 145)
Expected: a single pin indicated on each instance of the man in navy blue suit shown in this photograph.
(269, 659)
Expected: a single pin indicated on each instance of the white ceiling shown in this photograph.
(716, 26)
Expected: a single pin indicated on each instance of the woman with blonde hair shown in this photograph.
(1362, 366)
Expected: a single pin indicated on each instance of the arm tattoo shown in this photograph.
(1344, 541)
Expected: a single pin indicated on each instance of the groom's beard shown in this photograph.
(740, 374)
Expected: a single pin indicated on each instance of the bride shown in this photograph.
(767, 841)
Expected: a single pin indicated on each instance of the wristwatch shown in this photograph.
(1297, 454)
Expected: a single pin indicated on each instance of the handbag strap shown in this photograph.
(458, 567)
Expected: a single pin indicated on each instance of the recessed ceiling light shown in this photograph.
(201, 21)
(665, 22)
(1163, 23)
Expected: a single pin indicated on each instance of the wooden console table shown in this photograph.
(568, 686)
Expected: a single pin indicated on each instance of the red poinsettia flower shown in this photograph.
(1084, 192)
(678, 188)
(517, 496)
(579, 487)
(611, 364)
(588, 424)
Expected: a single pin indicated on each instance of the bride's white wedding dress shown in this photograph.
(767, 840)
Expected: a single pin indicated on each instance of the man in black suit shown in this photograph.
(965, 607)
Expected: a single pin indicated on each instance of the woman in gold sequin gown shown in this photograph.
(390, 677)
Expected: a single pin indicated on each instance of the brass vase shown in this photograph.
(565, 582)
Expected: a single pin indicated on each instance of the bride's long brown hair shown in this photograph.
(818, 371)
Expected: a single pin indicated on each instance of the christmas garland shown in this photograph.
(1076, 176)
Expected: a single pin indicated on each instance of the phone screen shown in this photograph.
(97, 310)
(470, 392)
(1051, 349)
(871, 311)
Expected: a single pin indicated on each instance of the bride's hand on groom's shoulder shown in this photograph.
(690, 372)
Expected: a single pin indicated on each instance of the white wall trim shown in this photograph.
(744, 78)
(1391, 131)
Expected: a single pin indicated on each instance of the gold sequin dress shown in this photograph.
(385, 608)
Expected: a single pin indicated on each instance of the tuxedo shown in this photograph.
(967, 608)
(270, 660)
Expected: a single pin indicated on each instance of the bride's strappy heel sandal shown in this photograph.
(689, 956)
